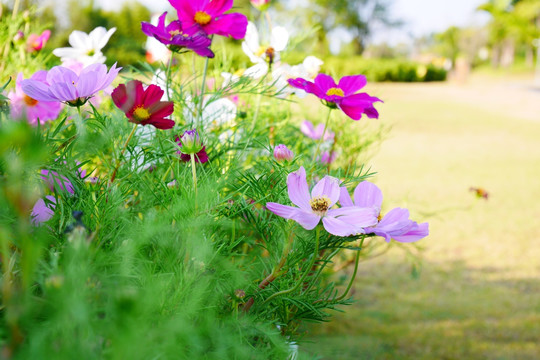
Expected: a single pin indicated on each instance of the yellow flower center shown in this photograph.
(30, 101)
(202, 18)
(174, 33)
(379, 217)
(335, 91)
(141, 114)
(320, 205)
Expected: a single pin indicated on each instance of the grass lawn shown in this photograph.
(478, 292)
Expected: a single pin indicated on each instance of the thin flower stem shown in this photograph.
(308, 270)
(113, 176)
(201, 102)
(322, 136)
(276, 272)
(256, 115)
(168, 79)
(353, 277)
(194, 173)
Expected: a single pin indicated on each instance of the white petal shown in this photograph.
(79, 40)
(252, 37)
(279, 38)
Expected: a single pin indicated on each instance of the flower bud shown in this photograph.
(260, 4)
(190, 142)
(18, 38)
(281, 153)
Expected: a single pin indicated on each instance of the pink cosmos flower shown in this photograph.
(318, 205)
(282, 153)
(342, 96)
(23, 105)
(64, 85)
(143, 106)
(315, 133)
(37, 42)
(394, 225)
(177, 37)
(43, 210)
(259, 4)
(328, 157)
(209, 15)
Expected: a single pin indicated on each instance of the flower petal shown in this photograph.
(338, 227)
(298, 189)
(328, 186)
(325, 82)
(351, 84)
(279, 38)
(368, 194)
(417, 232)
(344, 197)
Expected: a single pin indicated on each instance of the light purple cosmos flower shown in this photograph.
(64, 85)
(394, 225)
(318, 205)
(282, 153)
(178, 37)
(23, 105)
(327, 157)
(315, 132)
(342, 95)
(43, 210)
(209, 15)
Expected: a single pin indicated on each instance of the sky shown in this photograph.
(421, 17)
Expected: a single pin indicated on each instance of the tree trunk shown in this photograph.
(529, 56)
(507, 53)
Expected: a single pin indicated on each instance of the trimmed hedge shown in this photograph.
(384, 69)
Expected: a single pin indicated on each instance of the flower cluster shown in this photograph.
(197, 21)
(361, 217)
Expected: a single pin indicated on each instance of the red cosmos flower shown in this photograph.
(143, 106)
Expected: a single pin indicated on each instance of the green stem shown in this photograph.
(357, 260)
(168, 75)
(113, 176)
(194, 173)
(201, 102)
(322, 136)
(308, 270)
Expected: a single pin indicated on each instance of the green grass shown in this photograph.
(478, 293)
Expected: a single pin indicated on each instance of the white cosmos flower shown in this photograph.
(308, 70)
(215, 112)
(86, 48)
(258, 53)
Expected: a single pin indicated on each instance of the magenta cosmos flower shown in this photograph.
(318, 205)
(209, 15)
(342, 95)
(143, 106)
(178, 38)
(36, 42)
(394, 225)
(64, 85)
(34, 110)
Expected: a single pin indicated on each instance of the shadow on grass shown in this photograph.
(451, 312)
